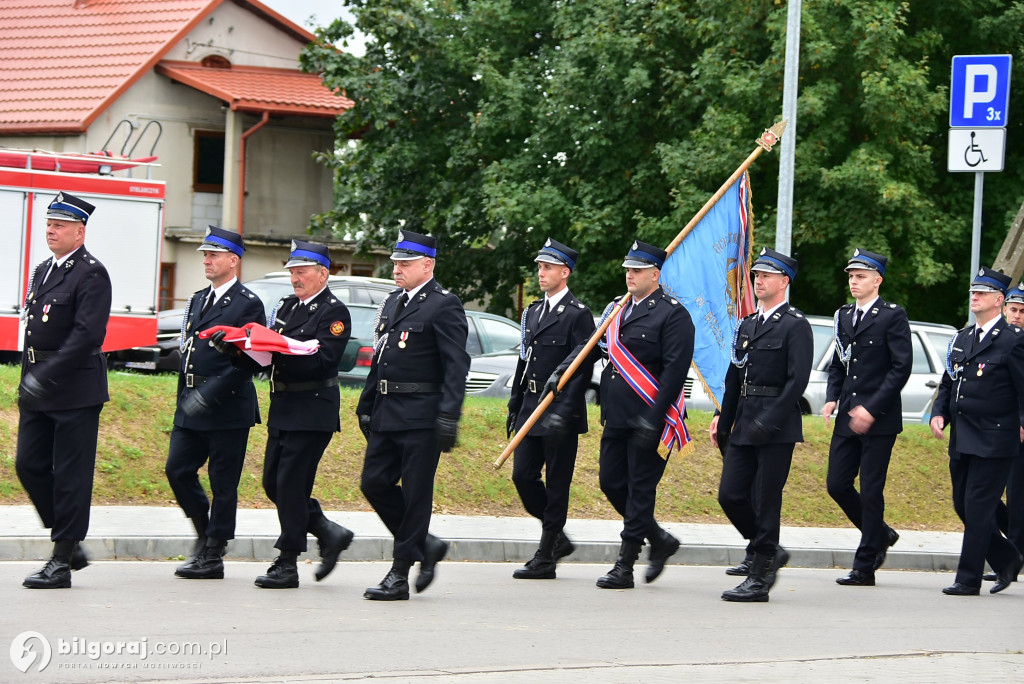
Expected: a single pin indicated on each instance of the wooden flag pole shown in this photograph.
(764, 144)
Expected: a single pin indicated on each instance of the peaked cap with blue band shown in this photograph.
(771, 261)
(1016, 294)
(412, 245)
(220, 240)
(554, 252)
(867, 261)
(989, 280)
(307, 253)
(643, 255)
(67, 207)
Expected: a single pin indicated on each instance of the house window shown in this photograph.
(208, 170)
(166, 286)
(364, 270)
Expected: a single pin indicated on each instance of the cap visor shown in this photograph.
(301, 262)
(406, 256)
(767, 268)
(64, 216)
(981, 287)
(860, 266)
(548, 259)
(211, 247)
(636, 263)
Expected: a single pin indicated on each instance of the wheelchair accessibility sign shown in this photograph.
(976, 149)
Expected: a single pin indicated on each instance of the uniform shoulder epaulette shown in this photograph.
(288, 297)
(1016, 329)
(846, 307)
(441, 290)
(579, 304)
(893, 306)
(250, 295)
(796, 313)
(535, 302)
(396, 291)
(670, 299)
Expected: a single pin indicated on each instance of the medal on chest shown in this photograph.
(981, 369)
(402, 338)
(46, 313)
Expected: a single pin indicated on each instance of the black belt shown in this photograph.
(35, 355)
(759, 391)
(193, 380)
(388, 387)
(533, 388)
(278, 386)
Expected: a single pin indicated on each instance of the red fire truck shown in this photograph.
(125, 232)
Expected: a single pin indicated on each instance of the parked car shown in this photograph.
(928, 340)
(491, 375)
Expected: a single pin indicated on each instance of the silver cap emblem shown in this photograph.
(401, 236)
(635, 246)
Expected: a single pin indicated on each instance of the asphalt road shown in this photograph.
(476, 625)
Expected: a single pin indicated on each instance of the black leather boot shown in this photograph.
(208, 564)
(434, 551)
(743, 568)
(663, 547)
(542, 565)
(283, 574)
(563, 547)
(394, 586)
(779, 560)
(78, 558)
(332, 539)
(754, 588)
(199, 522)
(56, 574)
(621, 575)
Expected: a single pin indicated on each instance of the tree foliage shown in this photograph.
(493, 124)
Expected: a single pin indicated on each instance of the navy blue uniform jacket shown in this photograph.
(659, 333)
(880, 362)
(75, 303)
(568, 326)
(780, 354)
(228, 386)
(984, 407)
(327, 320)
(425, 344)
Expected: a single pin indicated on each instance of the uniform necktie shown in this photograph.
(856, 318)
(978, 335)
(543, 311)
(402, 301)
(208, 305)
(48, 271)
(758, 323)
(629, 310)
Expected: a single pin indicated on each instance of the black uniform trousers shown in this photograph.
(546, 500)
(869, 455)
(1015, 504)
(55, 462)
(750, 491)
(412, 457)
(289, 470)
(978, 484)
(225, 450)
(629, 478)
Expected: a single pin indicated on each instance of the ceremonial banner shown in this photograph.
(709, 272)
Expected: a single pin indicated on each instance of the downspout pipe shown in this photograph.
(241, 178)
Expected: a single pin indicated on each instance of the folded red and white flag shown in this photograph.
(259, 341)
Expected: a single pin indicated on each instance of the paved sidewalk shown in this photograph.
(161, 533)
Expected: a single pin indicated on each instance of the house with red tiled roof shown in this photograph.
(211, 88)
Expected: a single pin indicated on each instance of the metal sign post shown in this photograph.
(979, 95)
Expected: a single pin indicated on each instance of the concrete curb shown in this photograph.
(261, 548)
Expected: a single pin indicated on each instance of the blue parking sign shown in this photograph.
(979, 91)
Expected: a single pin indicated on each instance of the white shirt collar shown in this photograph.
(414, 291)
(985, 329)
(57, 263)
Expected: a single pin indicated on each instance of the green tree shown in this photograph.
(496, 123)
